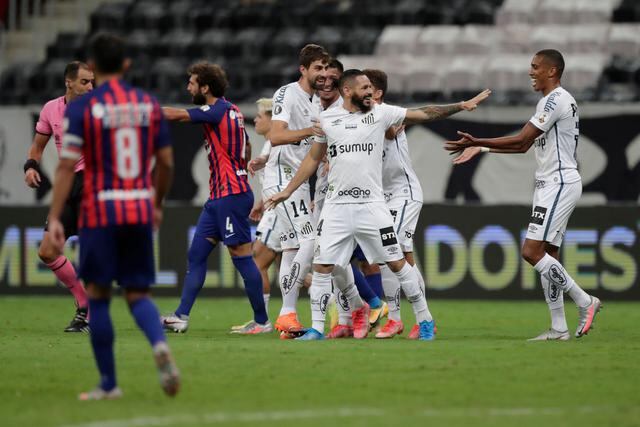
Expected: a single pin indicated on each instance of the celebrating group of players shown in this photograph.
(337, 185)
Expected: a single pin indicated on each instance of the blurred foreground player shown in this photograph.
(554, 131)
(225, 216)
(78, 80)
(119, 129)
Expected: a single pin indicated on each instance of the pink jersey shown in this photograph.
(50, 122)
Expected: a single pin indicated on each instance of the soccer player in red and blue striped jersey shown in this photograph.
(119, 130)
(225, 216)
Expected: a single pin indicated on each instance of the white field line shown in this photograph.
(230, 417)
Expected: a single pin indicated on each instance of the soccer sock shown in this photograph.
(375, 283)
(344, 280)
(409, 284)
(391, 288)
(551, 268)
(64, 271)
(196, 272)
(364, 289)
(148, 319)
(301, 265)
(320, 292)
(252, 285)
(265, 298)
(101, 337)
(420, 279)
(344, 311)
(289, 292)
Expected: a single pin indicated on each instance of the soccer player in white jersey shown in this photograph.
(291, 132)
(266, 247)
(403, 194)
(554, 132)
(355, 210)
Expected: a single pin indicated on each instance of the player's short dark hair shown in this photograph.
(555, 58)
(334, 63)
(72, 68)
(107, 52)
(348, 77)
(378, 79)
(211, 75)
(311, 53)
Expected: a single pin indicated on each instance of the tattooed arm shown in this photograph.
(436, 112)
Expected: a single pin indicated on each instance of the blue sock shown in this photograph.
(102, 341)
(375, 283)
(247, 268)
(364, 289)
(196, 272)
(148, 319)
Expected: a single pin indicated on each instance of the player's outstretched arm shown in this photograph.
(256, 164)
(519, 143)
(162, 181)
(32, 170)
(61, 188)
(430, 113)
(308, 167)
(280, 133)
(176, 114)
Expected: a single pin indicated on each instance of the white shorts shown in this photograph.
(294, 215)
(552, 207)
(269, 230)
(342, 226)
(405, 215)
(317, 210)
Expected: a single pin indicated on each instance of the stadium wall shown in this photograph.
(464, 251)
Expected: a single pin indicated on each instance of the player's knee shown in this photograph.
(396, 266)
(532, 254)
(47, 253)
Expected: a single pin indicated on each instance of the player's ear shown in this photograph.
(302, 69)
(377, 93)
(204, 89)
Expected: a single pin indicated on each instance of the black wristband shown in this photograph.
(31, 164)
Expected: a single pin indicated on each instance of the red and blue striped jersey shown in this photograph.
(117, 128)
(226, 140)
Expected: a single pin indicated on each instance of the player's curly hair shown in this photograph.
(311, 53)
(378, 79)
(211, 75)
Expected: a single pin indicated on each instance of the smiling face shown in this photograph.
(543, 74)
(316, 74)
(329, 91)
(361, 93)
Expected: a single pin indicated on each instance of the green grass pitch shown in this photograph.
(479, 372)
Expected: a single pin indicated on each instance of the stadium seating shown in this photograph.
(424, 45)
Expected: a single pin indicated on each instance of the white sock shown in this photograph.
(301, 264)
(289, 293)
(343, 279)
(420, 279)
(409, 282)
(266, 298)
(554, 271)
(391, 288)
(320, 292)
(554, 296)
(344, 311)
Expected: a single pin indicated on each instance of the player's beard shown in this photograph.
(199, 99)
(359, 102)
(315, 85)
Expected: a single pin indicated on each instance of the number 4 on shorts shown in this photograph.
(229, 226)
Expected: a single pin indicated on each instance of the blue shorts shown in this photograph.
(119, 252)
(358, 254)
(226, 219)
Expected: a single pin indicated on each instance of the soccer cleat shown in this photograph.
(254, 328)
(390, 329)
(360, 322)
(340, 331)
(427, 330)
(375, 314)
(239, 327)
(79, 322)
(167, 369)
(174, 323)
(586, 316)
(311, 335)
(100, 394)
(552, 335)
(414, 334)
(289, 323)
(288, 336)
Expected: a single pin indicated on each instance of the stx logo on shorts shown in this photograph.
(356, 193)
(539, 213)
(557, 276)
(388, 236)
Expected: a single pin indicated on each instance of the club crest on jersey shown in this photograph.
(542, 118)
(277, 109)
(205, 108)
(97, 111)
(368, 120)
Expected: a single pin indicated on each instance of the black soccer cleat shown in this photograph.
(79, 322)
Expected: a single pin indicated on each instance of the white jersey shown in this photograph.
(399, 180)
(266, 149)
(292, 105)
(556, 150)
(322, 182)
(355, 143)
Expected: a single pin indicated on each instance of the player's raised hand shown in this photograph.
(468, 154)
(466, 140)
(256, 164)
(275, 199)
(472, 103)
(56, 231)
(32, 178)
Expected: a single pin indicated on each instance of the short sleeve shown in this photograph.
(163, 138)
(73, 125)
(266, 149)
(281, 105)
(44, 126)
(211, 114)
(547, 114)
(392, 115)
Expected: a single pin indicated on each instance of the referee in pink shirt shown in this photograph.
(78, 80)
